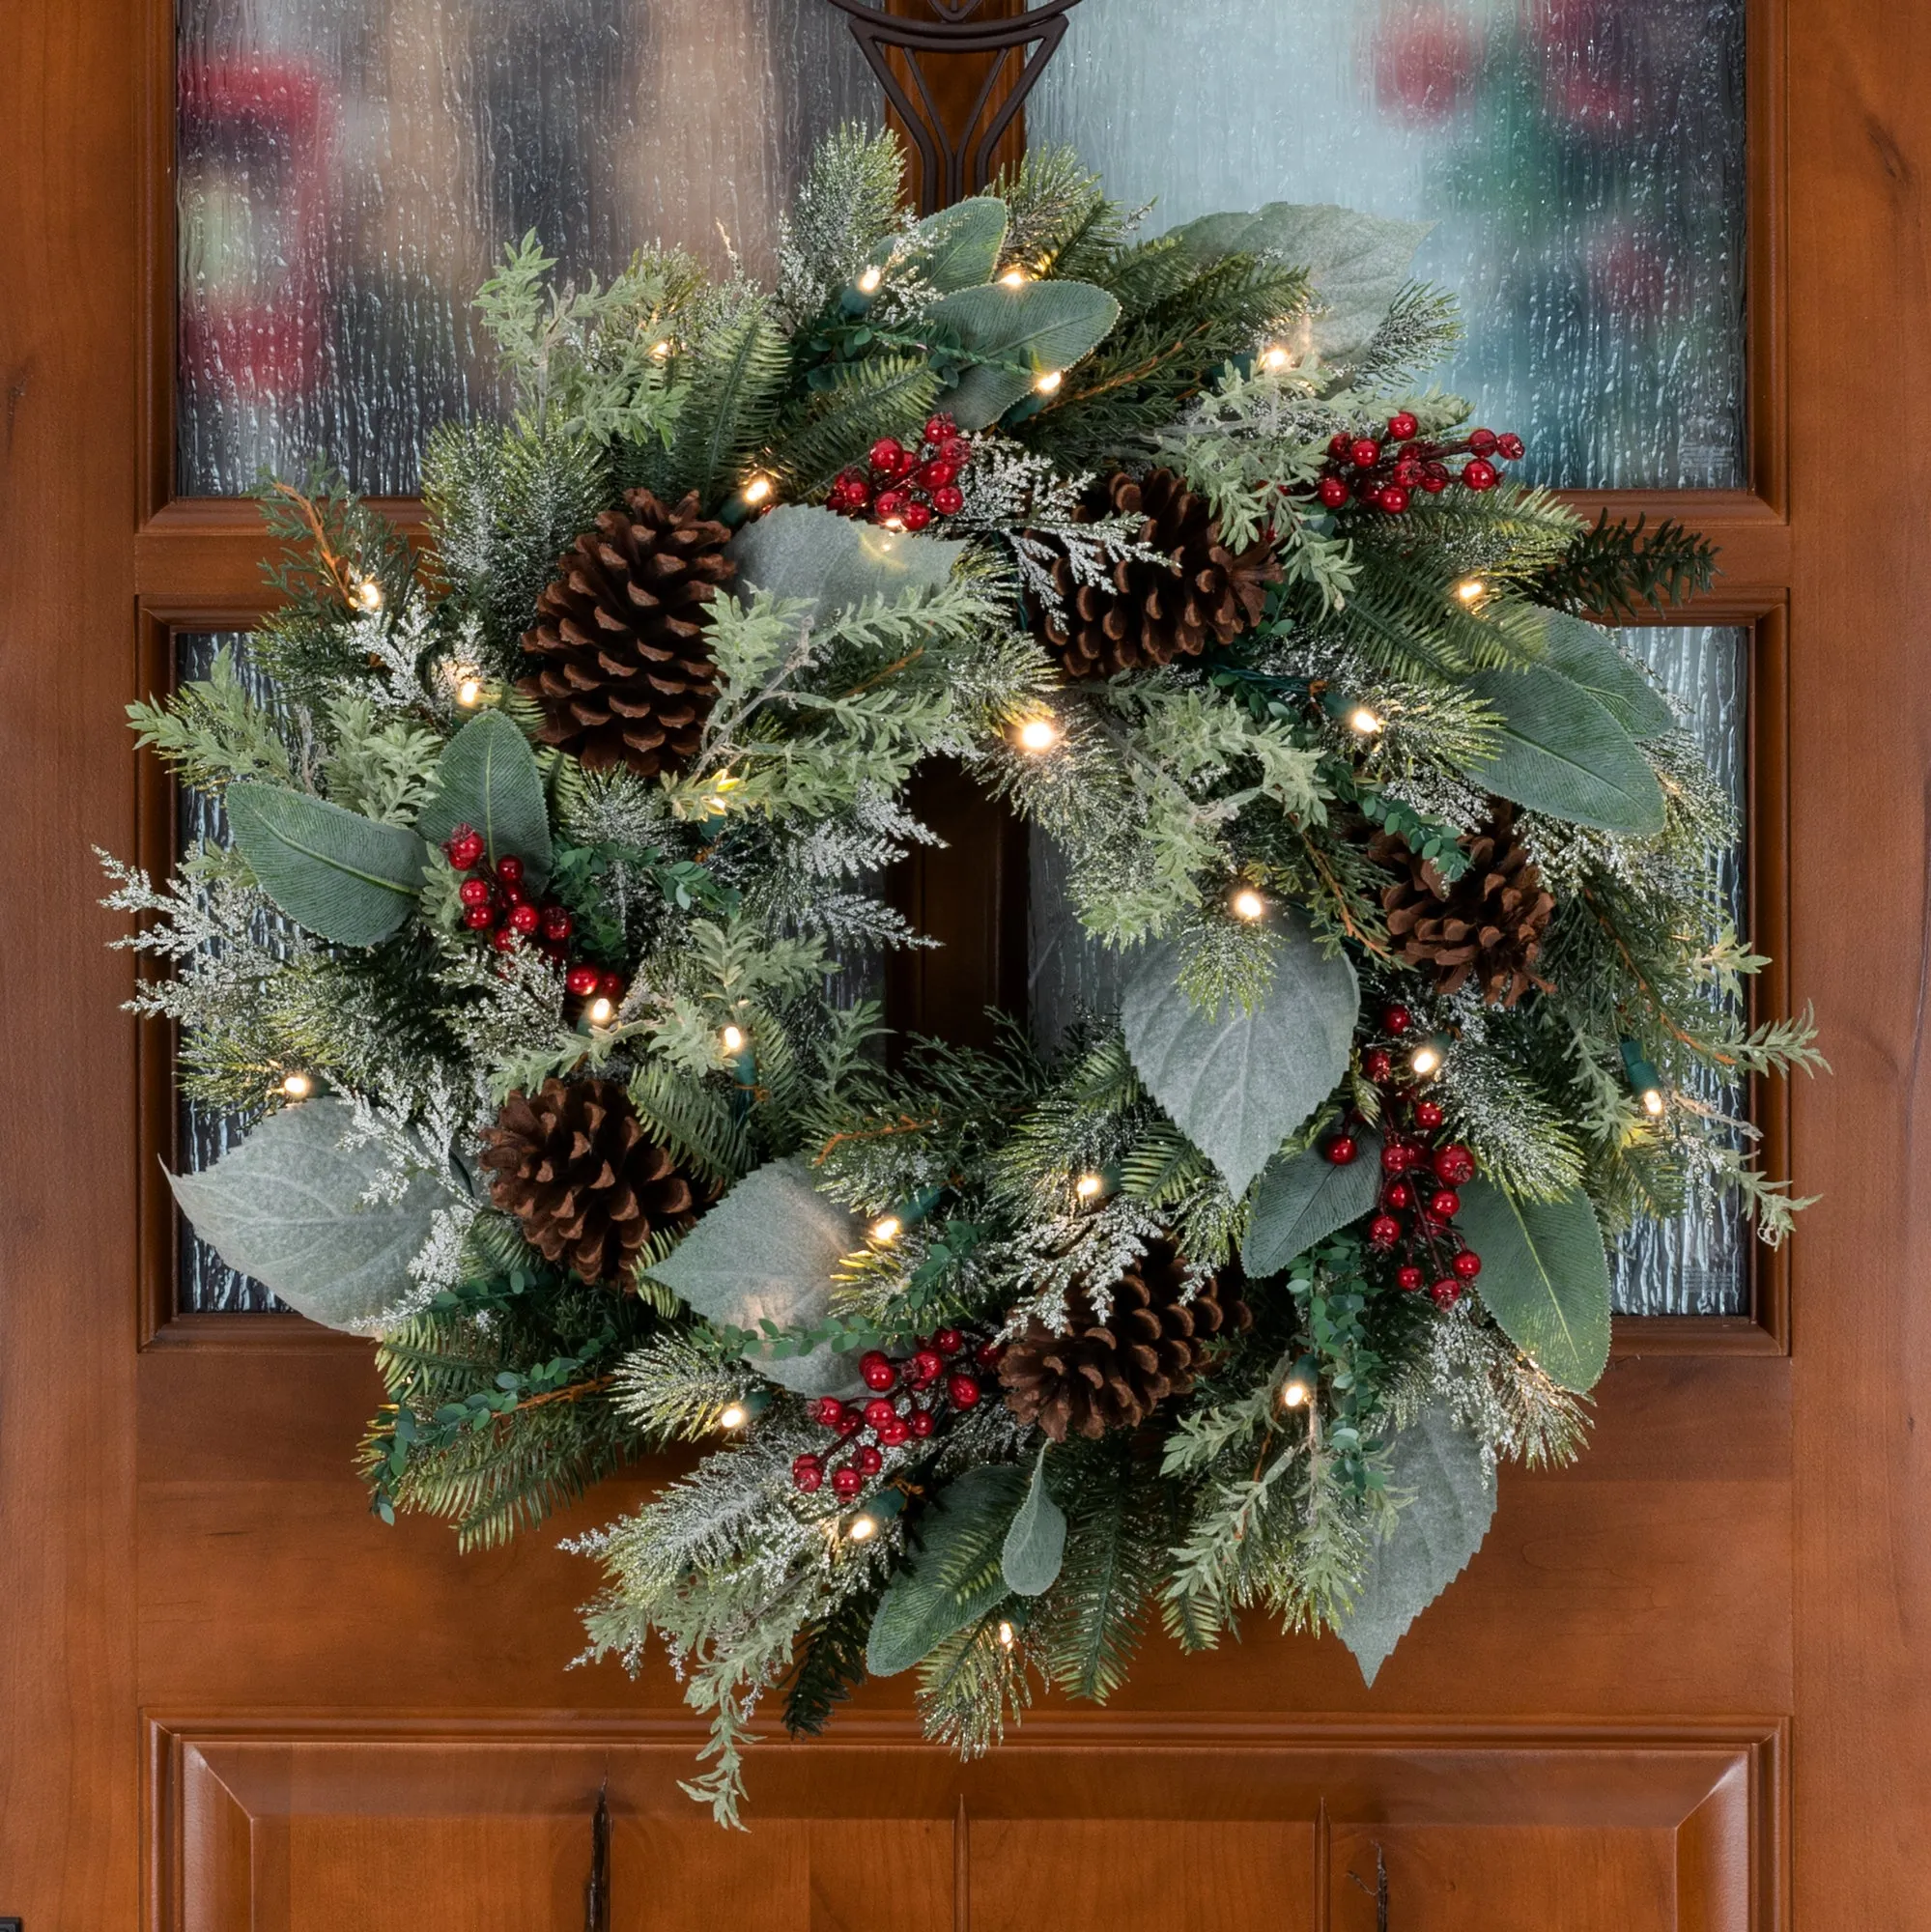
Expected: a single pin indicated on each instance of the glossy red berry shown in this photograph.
(936, 476)
(1408, 473)
(1408, 1279)
(1468, 1264)
(886, 454)
(877, 1370)
(1333, 492)
(848, 1481)
(808, 1473)
(1428, 1116)
(1401, 425)
(849, 1422)
(868, 1459)
(463, 848)
(1396, 1020)
(1394, 500)
(1340, 445)
(1433, 482)
(915, 516)
(524, 919)
(988, 1354)
(895, 1433)
(1445, 1203)
(611, 985)
(1364, 453)
(1510, 446)
(949, 499)
(827, 1410)
(963, 1390)
(1400, 1196)
(1446, 1293)
(509, 870)
(1478, 475)
(474, 892)
(581, 980)
(919, 1423)
(1383, 1231)
(479, 917)
(1454, 1165)
(557, 923)
(505, 939)
(1342, 1151)
(1482, 441)
(939, 428)
(1394, 1157)
(878, 1412)
(1377, 1065)
(890, 503)
(949, 1341)
(927, 1366)
(957, 452)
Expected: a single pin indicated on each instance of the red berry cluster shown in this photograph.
(494, 902)
(1414, 1215)
(907, 488)
(908, 1401)
(1385, 472)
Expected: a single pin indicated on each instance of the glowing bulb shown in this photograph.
(1048, 384)
(734, 1415)
(895, 523)
(757, 490)
(1653, 1103)
(1294, 1393)
(661, 349)
(1425, 1059)
(470, 692)
(1007, 1635)
(867, 283)
(1090, 1186)
(1363, 721)
(602, 1011)
(1013, 279)
(367, 595)
(733, 1039)
(1275, 359)
(886, 1229)
(1472, 590)
(297, 1087)
(1248, 904)
(1039, 734)
(861, 1529)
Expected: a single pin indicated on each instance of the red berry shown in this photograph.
(1445, 1204)
(1394, 500)
(957, 452)
(936, 476)
(1468, 1264)
(849, 1422)
(1394, 1157)
(1333, 492)
(807, 1473)
(878, 1412)
(581, 980)
(1396, 1020)
(887, 453)
(1408, 473)
(1510, 446)
(474, 892)
(858, 491)
(1454, 1165)
(919, 1423)
(1341, 1150)
(868, 1459)
(463, 848)
(949, 1341)
(1400, 1196)
(1479, 476)
(504, 939)
(1408, 1279)
(1364, 453)
(1401, 426)
(915, 516)
(894, 1433)
(927, 1366)
(1434, 484)
(524, 919)
(827, 1412)
(890, 503)
(988, 1354)
(1340, 445)
(509, 870)
(1446, 1293)
(963, 1390)
(479, 918)
(941, 427)
(611, 985)
(1482, 441)
(1383, 1231)
(848, 1481)
(1427, 1114)
(1377, 1065)
(877, 1370)
(557, 923)
(949, 499)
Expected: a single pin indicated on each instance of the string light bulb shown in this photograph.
(733, 1415)
(731, 1039)
(1645, 1082)
(1007, 1635)
(366, 595)
(1293, 1393)
(1014, 277)
(1248, 904)
(868, 281)
(1274, 359)
(297, 1087)
(1363, 721)
(1426, 1058)
(1653, 1102)
(602, 1011)
(1472, 590)
(1047, 383)
(469, 689)
(757, 490)
(863, 1527)
(1090, 1186)
(660, 350)
(885, 1230)
(1039, 734)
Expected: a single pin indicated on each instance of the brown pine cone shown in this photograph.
(1111, 1373)
(573, 1164)
(1489, 922)
(623, 667)
(1151, 614)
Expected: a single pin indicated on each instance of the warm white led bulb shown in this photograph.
(297, 1087)
(1248, 904)
(661, 349)
(1038, 734)
(734, 1415)
(886, 1229)
(1653, 1103)
(1425, 1059)
(368, 595)
(1275, 359)
(1090, 1186)
(757, 490)
(1363, 721)
(1013, 279)
(733, 1039)
(1294, 1393)
(867, 283)
(861, 1529)
(1007, 1635)
(1472, 590)
(1049, 382)
(602, 1011)
(470, 692)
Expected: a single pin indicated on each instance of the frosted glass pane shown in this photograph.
(1582, 161)
(1698, 1264)
(205, 1282)
(350, 169)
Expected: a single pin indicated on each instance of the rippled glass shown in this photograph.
(1581, 160)
(350, 169)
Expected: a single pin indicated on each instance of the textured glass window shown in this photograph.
(1698, 1264)
(350, 169)
(1581, 160)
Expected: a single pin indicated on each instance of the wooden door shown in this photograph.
(1685, 1685)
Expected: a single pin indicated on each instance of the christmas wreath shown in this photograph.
(552, 849)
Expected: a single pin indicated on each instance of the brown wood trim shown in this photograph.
(158, 256)
(273, 1330)
(1637, 1335)
(1765, 295)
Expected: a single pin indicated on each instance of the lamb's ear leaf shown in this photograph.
(1305, 1199)
(956, 248)
(486, 779)
(1544, 1278)
(1039, 326)
(956, 1575)
(1035, 1545)
(1587, 655)
(341, 876)
(802, 551)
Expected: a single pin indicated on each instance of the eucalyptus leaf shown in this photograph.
(1305, 1199)
(337, 874)
(1587, 655)
(956, 1576)
(766, 1253)
(1355, 263)
(1432, 1540)
(956, 248)
(486, 779)
(1035, 1545)
(287, 1207)
(1041, 326)
(834, 563)
(1238, 1082)
(1561, 752)
(1544, 1278)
